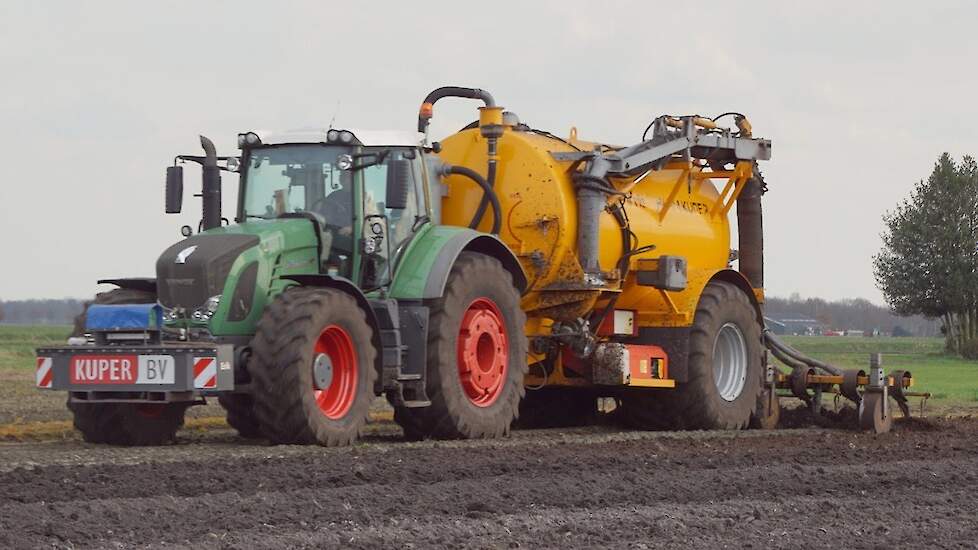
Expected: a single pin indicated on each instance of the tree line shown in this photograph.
(928, 264)
(850, 314)
(40, 312)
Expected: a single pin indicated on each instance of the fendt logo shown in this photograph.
(184, 254)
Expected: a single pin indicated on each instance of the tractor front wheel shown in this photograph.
(313, 368)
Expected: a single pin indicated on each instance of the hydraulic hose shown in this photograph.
(488, 193)
(776, 345)
(491, 180)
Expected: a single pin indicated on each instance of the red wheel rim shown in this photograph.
(483, 352)
(336, 399)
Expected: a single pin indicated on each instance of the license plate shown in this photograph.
(122, 369)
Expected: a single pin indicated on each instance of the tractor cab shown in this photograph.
(365, 192)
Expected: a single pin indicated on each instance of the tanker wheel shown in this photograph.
(240, 414)
(724, 363)
(125, 423)
(556, 408)
(476, 355)
(313, 368)
(872, 416)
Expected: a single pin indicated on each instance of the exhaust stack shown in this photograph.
(211, 186)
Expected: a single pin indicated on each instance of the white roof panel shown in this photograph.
(369, 138)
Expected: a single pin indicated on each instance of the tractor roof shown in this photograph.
(369, 138)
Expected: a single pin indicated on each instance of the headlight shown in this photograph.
(206, 311)
(252, 138)
(332, 135)
(346, 137)
(170, 315)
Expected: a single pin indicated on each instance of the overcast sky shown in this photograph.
(96, 98)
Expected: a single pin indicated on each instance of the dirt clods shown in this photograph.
(594, 487)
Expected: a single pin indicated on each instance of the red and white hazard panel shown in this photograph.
(205, 372)
(44, 375)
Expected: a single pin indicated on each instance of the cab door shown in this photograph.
(384, 230)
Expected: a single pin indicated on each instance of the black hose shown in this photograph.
(424, 118)
(786, 359)
(497, 211)
(775, 345)
(453, 91)
(491, 180)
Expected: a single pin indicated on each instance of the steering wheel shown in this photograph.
(333, 210)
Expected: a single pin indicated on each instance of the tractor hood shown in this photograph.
(194, 269)
(242, 264)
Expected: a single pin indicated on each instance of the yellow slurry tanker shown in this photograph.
(634, 289)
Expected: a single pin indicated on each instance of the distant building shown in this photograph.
(793, 324)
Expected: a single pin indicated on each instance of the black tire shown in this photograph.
(125, 423)
(556, 408)
(697, 403)
(240, 409)
(452, 414)
(283, 353)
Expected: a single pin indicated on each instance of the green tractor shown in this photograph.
(336, 283)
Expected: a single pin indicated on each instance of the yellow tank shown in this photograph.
(675, 209)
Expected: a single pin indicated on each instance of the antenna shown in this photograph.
(335, 112)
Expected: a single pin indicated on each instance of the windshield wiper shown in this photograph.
(379, 157)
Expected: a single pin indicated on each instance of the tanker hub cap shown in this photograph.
(483, 352)
(334, 372)
(730, 362)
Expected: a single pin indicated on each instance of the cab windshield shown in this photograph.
(299, 178)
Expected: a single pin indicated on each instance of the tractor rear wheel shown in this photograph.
(476, 355)
(724, 365)
(125, 423)
(313, 368)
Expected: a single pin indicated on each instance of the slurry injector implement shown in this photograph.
(504, 274)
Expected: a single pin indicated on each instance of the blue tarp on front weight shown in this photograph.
(124, 317)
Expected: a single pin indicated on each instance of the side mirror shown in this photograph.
(398, 183)
(174, 189)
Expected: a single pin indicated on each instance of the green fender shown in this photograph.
(422, 271)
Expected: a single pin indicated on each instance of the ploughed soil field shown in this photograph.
(587, 487)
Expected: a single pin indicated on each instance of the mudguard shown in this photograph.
(423, 270)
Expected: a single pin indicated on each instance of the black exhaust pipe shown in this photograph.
(210, 187)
